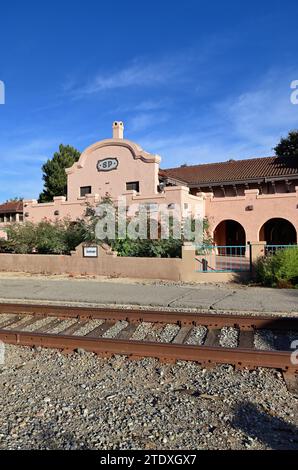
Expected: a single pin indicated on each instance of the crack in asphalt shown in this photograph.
(180, 297)
(211, 307)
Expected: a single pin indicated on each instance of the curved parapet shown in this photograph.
(136, 151)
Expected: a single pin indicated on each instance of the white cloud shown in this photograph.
(28, 189)
(21, 163)
(137, 74)
(35, 150)
(144, 121)
(243, 126)
(151, 105)
(262, 114)
(197, 148)
(141, 73)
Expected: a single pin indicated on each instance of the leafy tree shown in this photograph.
(288, 146)
(15, 199)
(54, 176)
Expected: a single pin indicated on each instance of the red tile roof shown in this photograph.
(11, 207)
(235, 170)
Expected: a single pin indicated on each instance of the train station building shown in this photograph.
(244, 200)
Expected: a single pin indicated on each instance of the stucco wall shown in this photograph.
(107, 264)
(133, 165)
(35, 212)
(178, 195)
(265, 207)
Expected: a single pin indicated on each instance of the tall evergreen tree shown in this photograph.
(54, 176)
(288, 146)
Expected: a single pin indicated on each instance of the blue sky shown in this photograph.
(193, 81)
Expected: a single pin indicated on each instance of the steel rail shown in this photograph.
(211, 320)
(165, 351)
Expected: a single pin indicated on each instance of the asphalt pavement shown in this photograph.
(202, 296)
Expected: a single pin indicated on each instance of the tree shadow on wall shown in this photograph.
(272, 431)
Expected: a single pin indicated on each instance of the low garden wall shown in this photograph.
(108, 264)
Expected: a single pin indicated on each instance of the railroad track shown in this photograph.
(241, 340)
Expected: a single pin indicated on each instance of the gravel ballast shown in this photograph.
(264, 340)
(229, 337)
(115, 330)
(52, 401)
(197, 336)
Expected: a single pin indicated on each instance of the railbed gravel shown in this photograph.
(168, 333)
(264, 340)
(81, 401)
(229, 337)
(115, 329)
(91, 325)
(6, 316)
(142, 331)
(19, 323)
(197, 336)
(62, 325)
(42, 322)
(162, 334)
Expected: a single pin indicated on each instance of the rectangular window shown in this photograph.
(85, 190)
(133, 186)
(149, 206)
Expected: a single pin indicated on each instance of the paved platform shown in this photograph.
(213, 297)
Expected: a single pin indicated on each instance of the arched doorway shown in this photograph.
(278, 231)
(230, 234)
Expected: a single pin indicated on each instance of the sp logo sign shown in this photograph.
(107, 164)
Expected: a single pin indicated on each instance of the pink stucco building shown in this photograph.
(10, 211)
(249, 200)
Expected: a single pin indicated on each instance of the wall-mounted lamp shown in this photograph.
(161, 186)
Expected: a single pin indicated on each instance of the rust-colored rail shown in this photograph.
(210, 353)
(164, 351)
(154, 316)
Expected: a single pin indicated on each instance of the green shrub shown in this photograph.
(45, 237)
(62, 237)
(76, 233)
(279, 269)
(147, 248)
(21, 238)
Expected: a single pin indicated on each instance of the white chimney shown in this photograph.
(118, 128)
